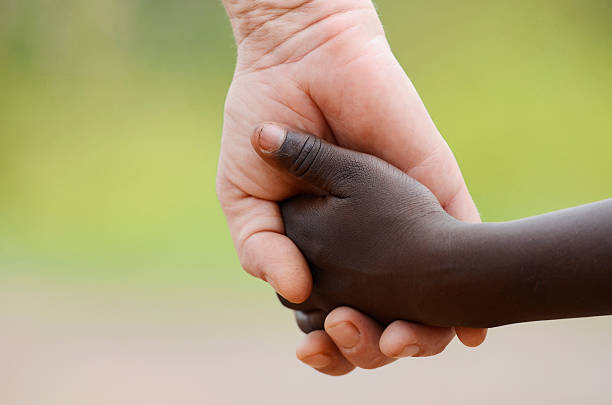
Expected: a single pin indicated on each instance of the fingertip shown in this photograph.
(313, 343)
(357, 336)
(342, 314)
(393, 341)
(295, 286)
(268, 137)
(310, 321)
(396, 338)
(275, 259)
(271, 137)
(318, 351)
(471, 337)
(292, 277)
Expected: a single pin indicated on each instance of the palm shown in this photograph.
(268, 96)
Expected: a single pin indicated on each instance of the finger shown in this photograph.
(264, 251)
(406, 339)
(319, 352)
(310, 321)
(309, 158)
(308, 316)
(461, 206)
(285, 272)
(305, 306)
(357, 337)
(470, 336)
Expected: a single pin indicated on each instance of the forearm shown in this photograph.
(552, 266)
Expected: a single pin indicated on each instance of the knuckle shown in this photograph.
(306, 157)
(246, 263)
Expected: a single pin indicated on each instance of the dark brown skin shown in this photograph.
(379, 241)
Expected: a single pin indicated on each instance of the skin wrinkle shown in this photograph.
(257, 27)
(297, 36)
(246, 233)
(318, 46)
(448, 206)
(279, 99)
(331, 137)
(366, 45)
(287, 105)
(230, 172)
(244, 262)
(325, 18)
(299, 154)
(325, 132)
(446, 202)
(306, 157)
(412, 167)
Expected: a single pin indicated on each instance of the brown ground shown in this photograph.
(62, 347)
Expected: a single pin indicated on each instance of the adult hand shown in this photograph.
(325, 67)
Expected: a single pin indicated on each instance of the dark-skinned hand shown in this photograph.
(350, 233)
(379, 241)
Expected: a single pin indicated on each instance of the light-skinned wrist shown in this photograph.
(261, 26)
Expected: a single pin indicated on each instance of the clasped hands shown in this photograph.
(326, 68)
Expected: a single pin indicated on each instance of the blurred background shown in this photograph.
(118, 279)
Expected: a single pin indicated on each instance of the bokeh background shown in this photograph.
(118, 279)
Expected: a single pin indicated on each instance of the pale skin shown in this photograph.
(325, 67)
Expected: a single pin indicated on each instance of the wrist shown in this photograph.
(451, 271)
(422, 267)
(477, 277)
(280, 30)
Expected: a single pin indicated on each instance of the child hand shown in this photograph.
(373, 236)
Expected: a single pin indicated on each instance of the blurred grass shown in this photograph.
(111, 115)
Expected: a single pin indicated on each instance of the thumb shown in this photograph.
(311, 159)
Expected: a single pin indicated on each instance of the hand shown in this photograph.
(325, 68)
(377, 239)
(372, 240)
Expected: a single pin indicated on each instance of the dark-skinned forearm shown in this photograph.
(552, 266)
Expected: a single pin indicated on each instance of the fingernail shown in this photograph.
(345, 334)
(319, 360)
(271, 137)
(409, 351)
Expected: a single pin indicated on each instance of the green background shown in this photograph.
(111, 116)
